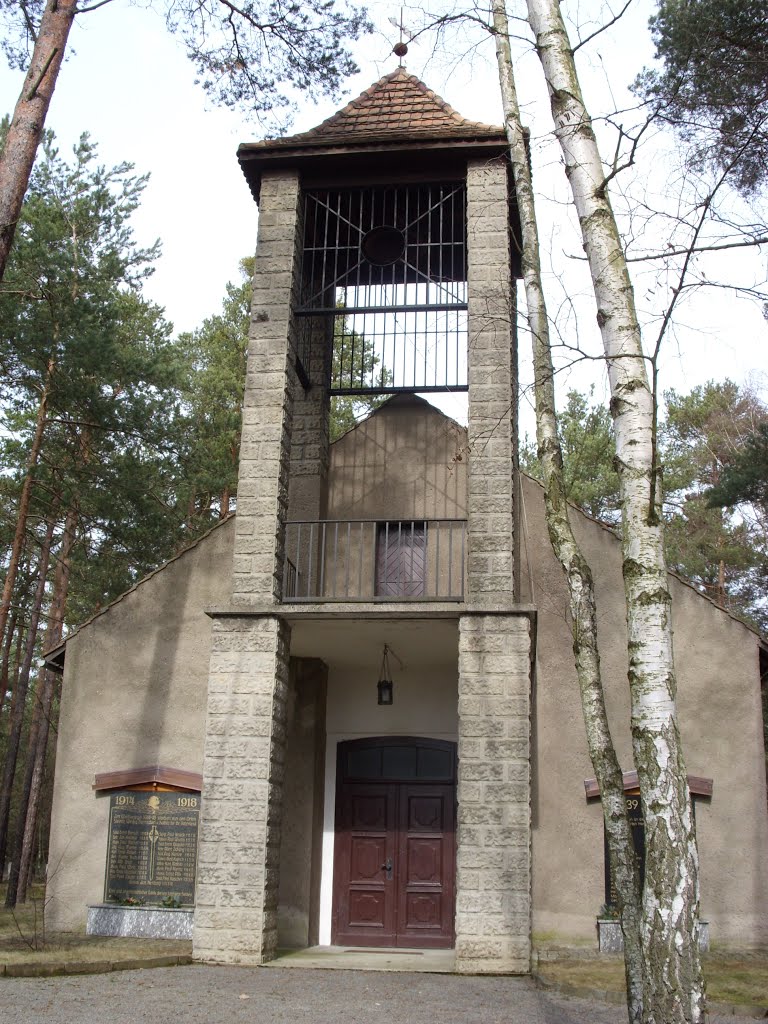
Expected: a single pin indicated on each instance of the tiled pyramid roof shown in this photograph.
(398, 106)
(398, 125)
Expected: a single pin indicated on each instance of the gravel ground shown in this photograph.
(232, 995)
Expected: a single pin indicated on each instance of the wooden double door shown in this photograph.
(395, 847)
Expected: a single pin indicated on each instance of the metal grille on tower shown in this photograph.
(384, 277)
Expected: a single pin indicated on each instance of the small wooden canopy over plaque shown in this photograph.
(156, 777)
(697, 784)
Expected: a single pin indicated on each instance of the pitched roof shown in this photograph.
(400, 105)
(398, 124)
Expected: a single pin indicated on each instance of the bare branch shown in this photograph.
(695, 250)
(607, 25)
(93, 7)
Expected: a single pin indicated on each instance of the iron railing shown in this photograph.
(375, 560)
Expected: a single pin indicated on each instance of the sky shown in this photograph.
(129, 84)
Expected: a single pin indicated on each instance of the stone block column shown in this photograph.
(310, 453)
(265, 450)
(493, 879)
(493, 844)
(243, 769)
(243, 765)
(492, 388)
(302, 824)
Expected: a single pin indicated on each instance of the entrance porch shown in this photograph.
(352, 868)
(458, 679)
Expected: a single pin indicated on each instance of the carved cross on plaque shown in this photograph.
(153, 835)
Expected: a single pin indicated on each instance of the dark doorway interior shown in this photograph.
(395, 850)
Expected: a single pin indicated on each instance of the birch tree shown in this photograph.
(673, 989)
(564, 544)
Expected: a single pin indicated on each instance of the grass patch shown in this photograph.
(23, 939)
(728, 980)
(554, 938)
(737, 981)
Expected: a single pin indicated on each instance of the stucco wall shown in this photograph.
(720, 718)
(407, 461)
(133, 694)
(301, 830)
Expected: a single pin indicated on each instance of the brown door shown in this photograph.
(364, 870)
(395, 854)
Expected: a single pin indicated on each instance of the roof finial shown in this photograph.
(400, 49)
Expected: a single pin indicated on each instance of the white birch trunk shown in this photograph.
(673, 985)
(577, 572)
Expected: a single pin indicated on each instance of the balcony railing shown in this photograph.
(375, 560)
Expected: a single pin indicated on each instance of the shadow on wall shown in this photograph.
(405, 461)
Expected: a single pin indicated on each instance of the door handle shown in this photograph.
(388, 868)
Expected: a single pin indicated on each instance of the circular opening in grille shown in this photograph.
(382, 246)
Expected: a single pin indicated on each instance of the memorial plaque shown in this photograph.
(636, 823)
(152, 847)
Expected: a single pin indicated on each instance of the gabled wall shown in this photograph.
(406, 461)
(721, 723)
(136, 678)
(133, 694)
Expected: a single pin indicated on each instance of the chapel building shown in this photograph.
(364, 679)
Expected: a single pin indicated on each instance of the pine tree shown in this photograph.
(258, 56)
(90, 383)
(711, 87)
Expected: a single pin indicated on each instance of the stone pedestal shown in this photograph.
(139, 922)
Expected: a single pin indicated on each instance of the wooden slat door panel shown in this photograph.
(401, 560)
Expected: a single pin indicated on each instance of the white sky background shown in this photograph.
(130, 85)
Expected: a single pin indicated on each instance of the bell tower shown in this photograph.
(385, 265)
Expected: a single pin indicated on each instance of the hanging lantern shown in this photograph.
(385, 686)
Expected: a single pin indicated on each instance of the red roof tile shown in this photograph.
(398, 106)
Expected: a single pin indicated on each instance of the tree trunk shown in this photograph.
(5, 671)
(37, 759)
(673, 990)
(24, 499)
(575, 567)
(26, 128)
(224, 503)
(39, 728)
(19, 705)
(17, 624)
